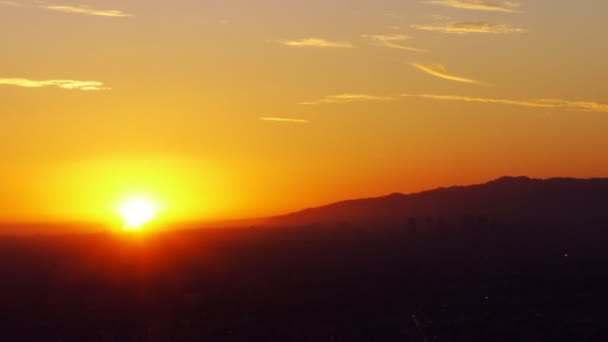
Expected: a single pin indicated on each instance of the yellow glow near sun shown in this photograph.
(136, 212)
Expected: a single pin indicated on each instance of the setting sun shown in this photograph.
(137, 212)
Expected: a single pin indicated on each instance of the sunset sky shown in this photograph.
(225, 109)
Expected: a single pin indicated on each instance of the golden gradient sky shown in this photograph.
(240, 108)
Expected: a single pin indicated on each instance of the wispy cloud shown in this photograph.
(550, 103)
(478, 5)
(64, 84)
(589, 106)
(72, 9)
(10, 3)
(347, 98)
(469, 27)
(86, 10)
(317, 43)
(286, 120)
(440, 17)
(440, 71)
(394, 41)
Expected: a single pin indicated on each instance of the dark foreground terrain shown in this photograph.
(423, 280)
(515, 259)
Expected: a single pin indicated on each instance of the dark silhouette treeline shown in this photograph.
(473, 277)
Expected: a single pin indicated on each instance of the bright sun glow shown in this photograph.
(137, 212)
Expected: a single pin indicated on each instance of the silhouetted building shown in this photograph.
(430, 224)
(412, 228)
(483, 221)
(467, 222)
(483, 226)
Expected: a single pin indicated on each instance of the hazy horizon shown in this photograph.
(54, 227)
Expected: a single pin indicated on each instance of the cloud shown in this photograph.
(316, 42)
(347, 98)
(550, 103)
(441, 72)
(86, 10)
(10, 3)
(469, 27)
(71, 9)
(478, 5)
(588, 106)
(440, 17)
(392, 41)
(64, 84)
(286, 120)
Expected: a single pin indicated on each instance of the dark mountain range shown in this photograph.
(507, 200)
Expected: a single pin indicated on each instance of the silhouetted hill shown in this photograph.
(507, 200)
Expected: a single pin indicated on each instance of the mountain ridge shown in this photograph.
(511, 199)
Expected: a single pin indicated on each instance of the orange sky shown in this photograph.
(237, 108)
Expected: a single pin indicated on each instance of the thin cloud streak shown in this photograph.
(64, 84)
(469, 27)
(286, 120)
(10, 3)
(72, 9)
(441, 72)
(317, 43)
(86, 10)
(347, 98)
(392, 41)
(551, 103)
(588, 106)
(478, 5)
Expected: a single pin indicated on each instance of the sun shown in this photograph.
(137, 212)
